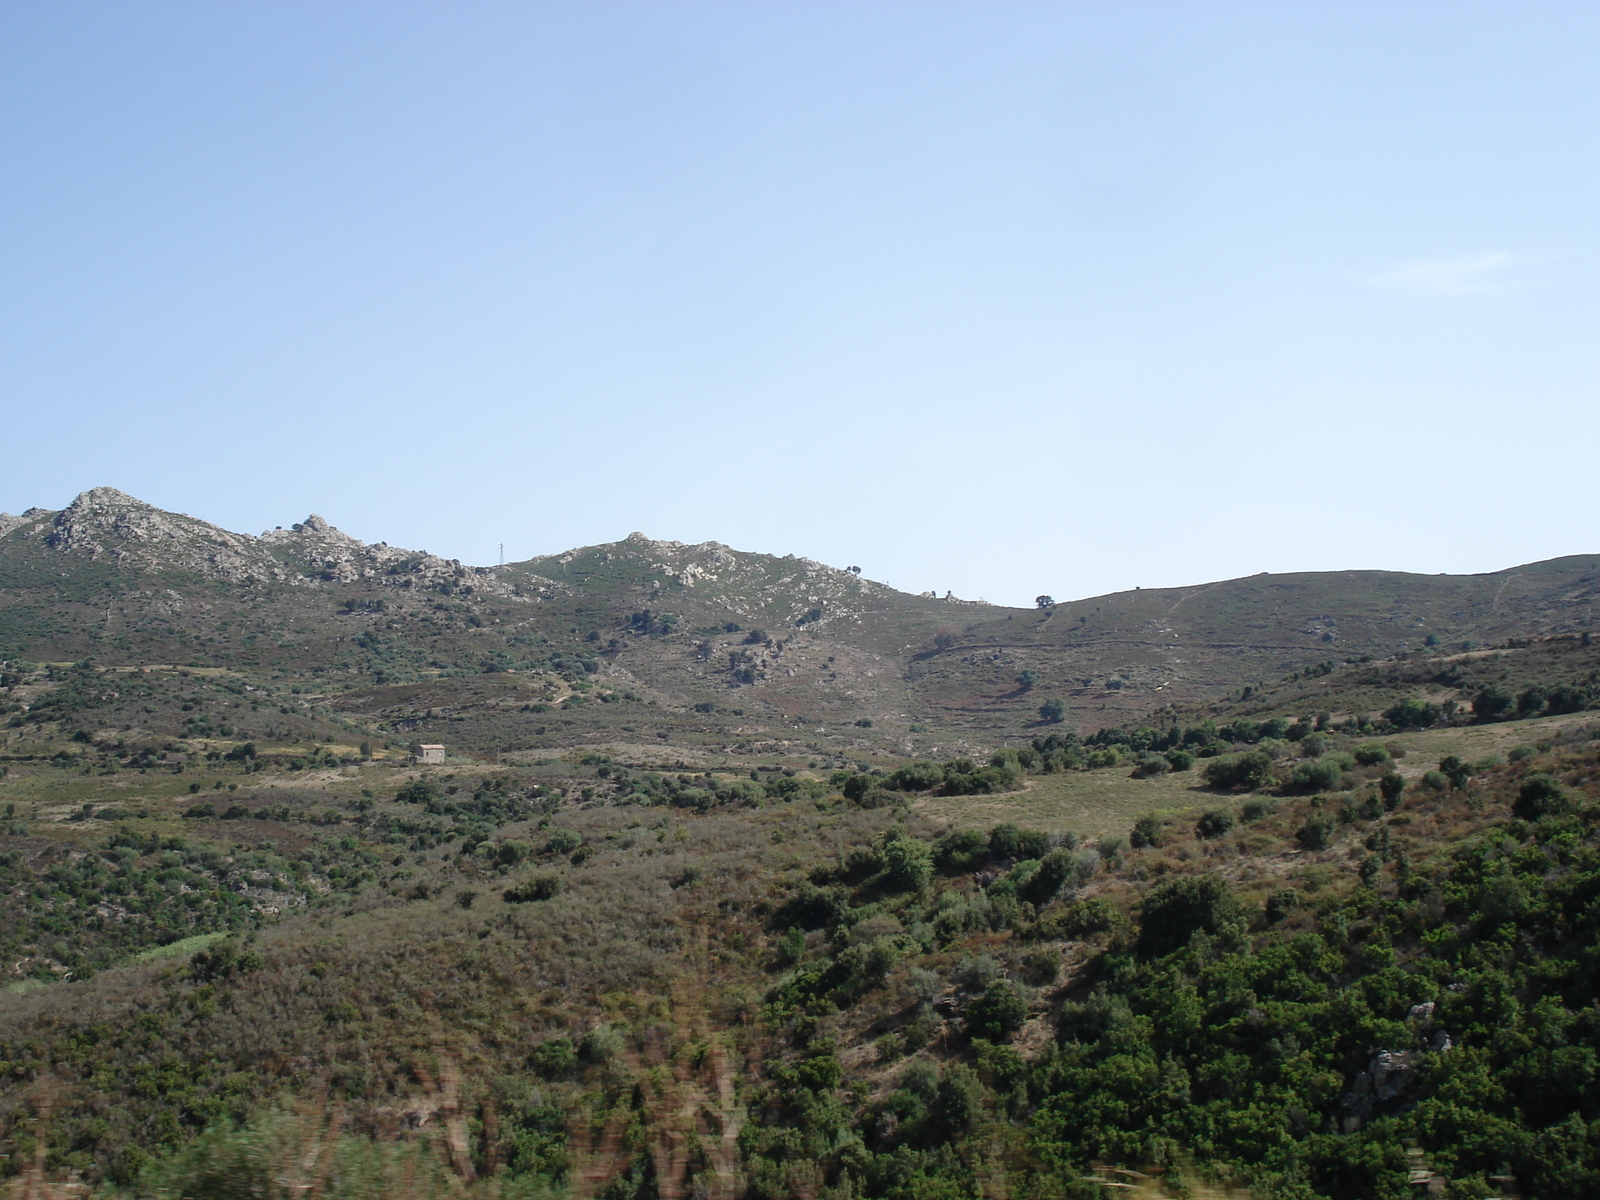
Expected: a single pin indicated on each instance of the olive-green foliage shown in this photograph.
(1171, 1049)
(1320, 774)
(1412, 713)
(960, 850)
(162, 889)
(1244, 772)
(908, 864)
(998, 1013)
(281, 1155)
(1086, 918)
(1178, 908)
(1315, 833)
(1008, 841)
(1371, 754)
(1056, 870)
(1146, 831)
(1455, 770)
(1281, 903)
(535, 887)
(1540, 796)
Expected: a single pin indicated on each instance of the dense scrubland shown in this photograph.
(748, 898)
(777, 979)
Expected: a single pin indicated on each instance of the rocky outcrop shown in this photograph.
(106, 524)
(759, 587)
(324, 553)
(1392, 1075)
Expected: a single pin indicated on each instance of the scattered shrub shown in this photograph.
(1371, 754)
(1254, 810)
(1176, 909)
(1315, 833)
(1146, 831)
(1412, 714)
(536, 887)
(998, 1013)
(1246, 772)
(1281, 903)
(1392, 786)
(1539, 796)
(1086, 917)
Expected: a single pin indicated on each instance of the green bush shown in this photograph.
(536, 887)
(1151, 765)
(1456, 771)
(1315, 833)
(1086, 917)
(554, 1058)
(1244, 772)
(1176, 909)
(908, 864)
(601, 1044)
(418, 791)
(1318, 775)
(1392, 786)
(960, 850)
(917, 777)
(1056, 870)
(1281, 903)
(1214, 824)
(1254, 810)
(1540, 796)
(1412, 714)
(1492, 703)
(998, 1013)
(1009, 842)
(1146, 831)
(1371, 754)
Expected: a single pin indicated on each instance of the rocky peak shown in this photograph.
(106, 523)
(313, 528)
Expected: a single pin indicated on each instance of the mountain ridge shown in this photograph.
(703, 628)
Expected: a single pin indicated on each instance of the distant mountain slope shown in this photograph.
(699, 644)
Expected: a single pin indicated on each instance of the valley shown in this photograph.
(744, 876)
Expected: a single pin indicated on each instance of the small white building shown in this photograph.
(430, 754)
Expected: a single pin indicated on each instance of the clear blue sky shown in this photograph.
(995, 297)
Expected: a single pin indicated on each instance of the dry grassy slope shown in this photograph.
(1436, 676)
(125, 583)
(1112, 657)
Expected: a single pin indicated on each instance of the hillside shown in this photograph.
(699, 646)
(775, 981)
(745, 877)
